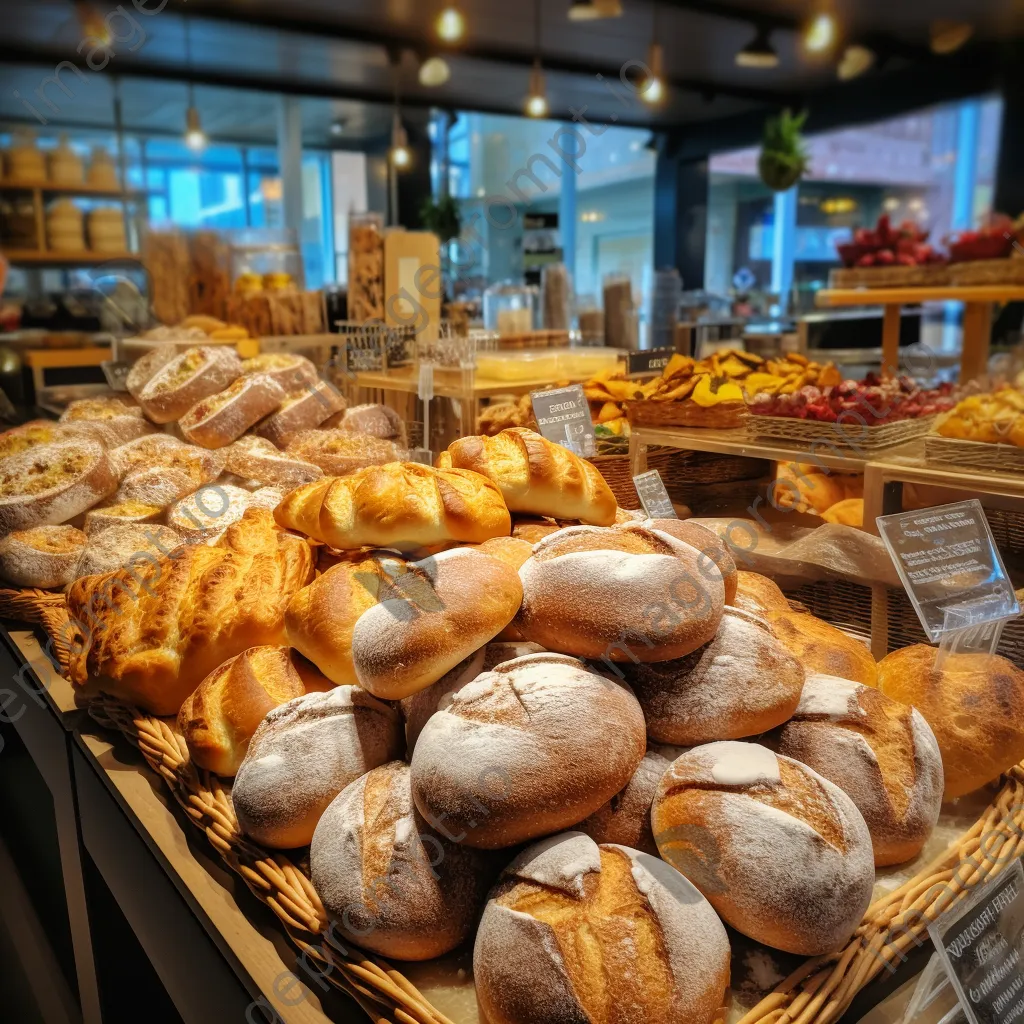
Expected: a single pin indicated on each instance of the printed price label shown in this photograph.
(981, 943)
(563, 416)
(653, 496)
(652, 361)
(116, 373)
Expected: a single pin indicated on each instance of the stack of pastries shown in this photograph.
(499, 710)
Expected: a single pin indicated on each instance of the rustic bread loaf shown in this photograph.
(741, 683)
(389, 881)
(111, 421)
(394, 627)
(147, 367)
(631, 594)
(706, 542)
(127, 513)
(131, 546)
(291, 371)
(372, 420)
(758, 594)
(188, 378)
(217, 420)
(531, 747)
(823, 648)
(303, 754)
(151, 634)
(404, 505)
(879, 752)
(218, 720)
(35, 432)
(974, 705)
(43, 556)
(536, 476)
(598, 934)
(782, 854)
(510, 550)
(162, 451)
(208, 512)
(256, 458)
(338, 452)
(301, 410)
(533, 529)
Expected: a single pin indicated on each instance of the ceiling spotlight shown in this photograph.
(401, 155)
(537, 101)
(821, 33)
(451, 25)
(434, 71)
(856, 60)
(948, 36)
(592, 10)
(758, 53)
(653, 90)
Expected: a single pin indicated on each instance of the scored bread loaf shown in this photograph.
(303, 754)
(43, 556)
(371, 420)
(256, 458)
(394, 627)
(150, 635)
(291, 371)
(339, 451)
(758, 594)
(389, 881)
(595, 934)
(533, 746)
(218, 720)
(301, 410)
(536, 476)
(217, 420)
(111, 421)
(782, 854)
(404, 505)
(129, 546)
(703, 540)
(879, 752)
(824, 648)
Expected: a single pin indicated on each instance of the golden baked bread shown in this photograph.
(111, 421)
(303, 409)
(822, 647)
(975, 707)
(878, 751)
(758, 594)
(217, 420)
(704, 541)
(256, 458)
(218, 720)
(510, 550)
(148, 367)
(151, 634)
(536, 476)
(43, 556)
(404, 505)
(33, 433)
(293, 372)
(127, 546)
(846, 513)
(203, 516)
(533, 528)
(371, 420)
(395, 627)
(339, 451)
(588, 934)
(127, 512)
(188, 378)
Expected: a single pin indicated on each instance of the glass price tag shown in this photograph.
(563, 416)
(653, 496)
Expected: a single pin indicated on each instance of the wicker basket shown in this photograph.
(928, 275)
(853, 435)
(844, 604)
(618, 474)
(989, 458)
(648, 413)
(987, 272)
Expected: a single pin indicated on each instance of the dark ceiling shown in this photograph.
(337, 55)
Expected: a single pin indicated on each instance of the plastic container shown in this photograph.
(514, 367)
(584, 363)
(510, 308)
(591, 320)
(265, 253)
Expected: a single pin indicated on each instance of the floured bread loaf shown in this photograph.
(152, 634)
(52, 483)
(146, 368)
(161, 474)
(302, 410)
(43, 556)
(759, 595)
(256, 458)
(218, 720)
(531, 747)
(704, 541)
(127, 513)
(188, 378)
(33, 433)
(603, 934)
(303, 754)
(339, 451)
(782, 854)
(510, 550)
(372, 420)
(533, 529)
(131, 546)
(266, 497)
(387, 879)
(291, 371)
(112, 421)
(217, 420)
(208, 512)
(824, 648)
(741, 683)
(619, 595)
(881, 753)
(395, 627)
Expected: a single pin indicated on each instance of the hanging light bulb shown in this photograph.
(822, 31)
(195, 137)
(948, 36)
(434, 71)
(856, 60)
(593, 10)
(401, 155)
(654, 89)
(451, 25)
(758, 53)
(537, 101)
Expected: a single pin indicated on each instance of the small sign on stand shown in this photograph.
(652, 361)
(116, 372)
(654, 496)
(563, 416)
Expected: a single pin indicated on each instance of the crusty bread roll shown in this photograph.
(217, 420)
(822, 647)
(626, 818)
(48, 484)
(152, 633)
(395, 627)
(162, 451)
(218, 720)
(629, 594)
(706, 542)
(146, 368)
(533, 529)
(741, 683)
(127, 513)
(35, 432)
(371, 420)
(975, 707)
(43, 556)
(405, 506)
(188, 378)
(338, 452)
(301, 410)
(758, 594)
(266, 497)
(256, 458)
(111, 421)
(131, 546)
(529, 748)
(598, 934)
(390, 882)
(536, 476)
(291, 371)
(511, 550)
(782, 854)
(208, 512)
(879, 752)
(303, 754)
(849, 512)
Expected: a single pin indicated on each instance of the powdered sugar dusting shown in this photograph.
(830, 697)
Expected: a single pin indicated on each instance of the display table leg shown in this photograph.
(977, 337)
(891, 341)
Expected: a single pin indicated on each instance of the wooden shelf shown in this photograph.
(69, 190)
(46, 258)
(837, 297)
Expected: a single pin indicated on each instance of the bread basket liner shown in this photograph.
(818, 992)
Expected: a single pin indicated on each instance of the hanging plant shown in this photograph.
(784, 158)
(443, 217)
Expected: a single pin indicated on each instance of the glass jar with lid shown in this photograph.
(510, 308)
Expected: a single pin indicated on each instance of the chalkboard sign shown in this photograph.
(563, 416)
(648, 363)
(981, 943)
(653, 496)
(116, 373)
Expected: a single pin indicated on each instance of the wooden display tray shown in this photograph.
(787, 429)
(977, 455)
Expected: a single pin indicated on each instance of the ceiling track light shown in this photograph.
(822, 31)
(450, 25)
(195, 137)
(759, 52)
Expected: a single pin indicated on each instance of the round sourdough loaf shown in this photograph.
(304, 409)
(823, 648)
(626, 818)
(371, 420)
(706, 542)
(303, 754)
(291, 371)
(533, 528)
(162, 451)
(219, 719)
(48, 484)
(632, 594)
(741, 683)
(390, 882)
(781, 853)
(529, 748)
(217, 420)
(603, 934)
(879, 752)
(208, 512)
(974, 705)
(188, 378)
(43, 556)
(758, 594)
